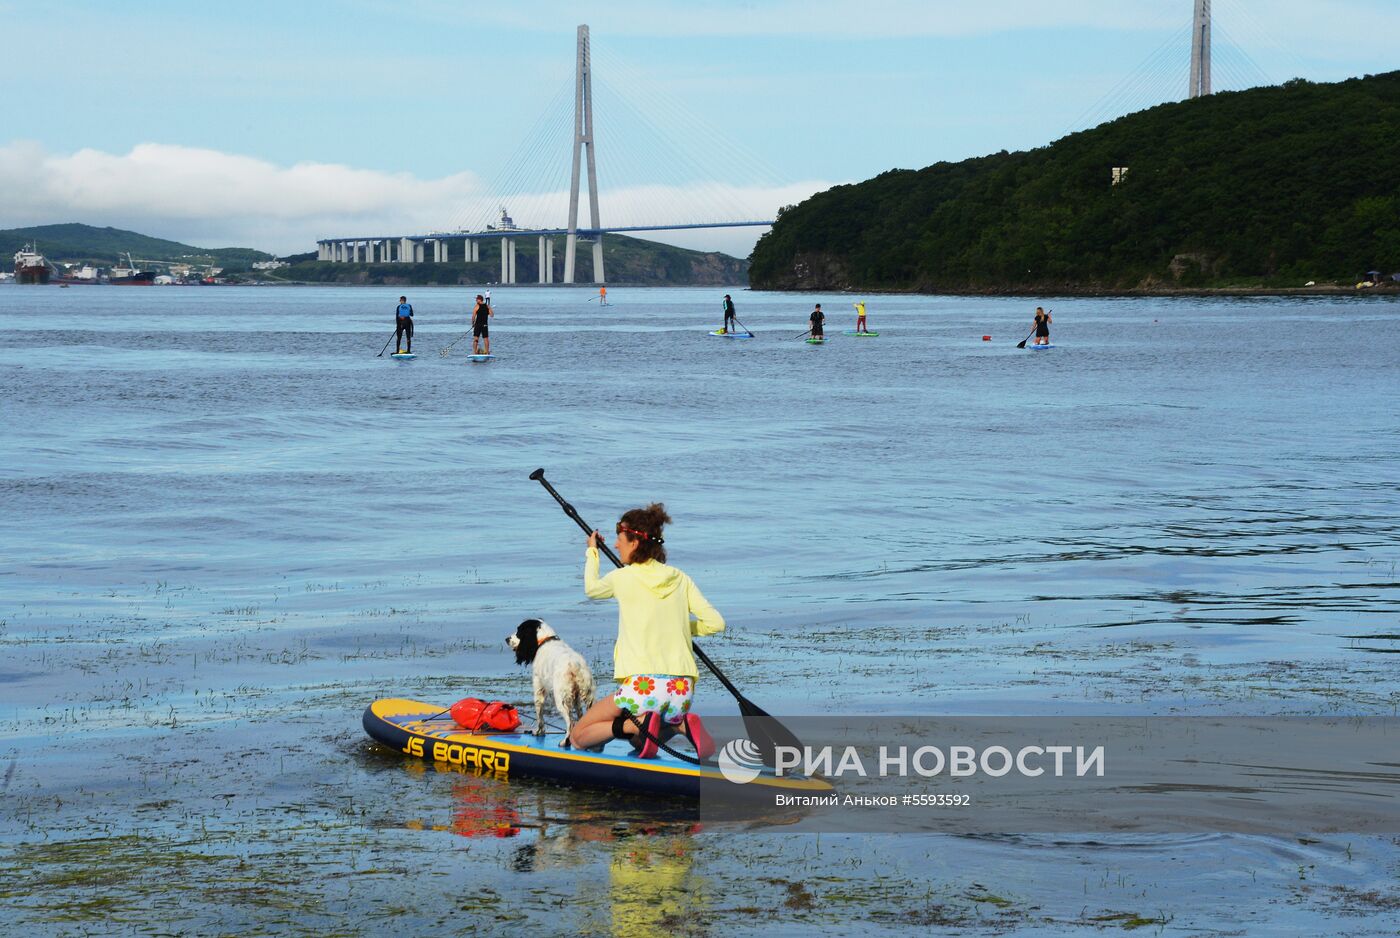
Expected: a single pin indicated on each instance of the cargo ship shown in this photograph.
(30, 266)
(83, 275)
(129, 276)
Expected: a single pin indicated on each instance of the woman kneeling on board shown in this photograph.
(1042, 327)
(652, 660)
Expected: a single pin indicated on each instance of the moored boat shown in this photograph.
(130, 275)
(31, 266)
(83, 275)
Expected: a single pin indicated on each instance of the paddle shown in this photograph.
(763, 728)
(801, 334)
(443, 352)
(386, 345)
(746, 328)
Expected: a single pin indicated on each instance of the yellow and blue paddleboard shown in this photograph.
(423, 731)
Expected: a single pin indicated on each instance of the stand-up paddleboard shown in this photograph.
(863, 335)
(1037, 348)
(732, 335)
(405, 726)
(475, 357)
(816, 341)
(404, 356)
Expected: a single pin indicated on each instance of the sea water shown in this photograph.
(229, 524)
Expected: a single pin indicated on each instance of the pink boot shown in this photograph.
(651, 724)
(696, 733)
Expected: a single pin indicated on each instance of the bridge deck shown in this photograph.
(536, 232)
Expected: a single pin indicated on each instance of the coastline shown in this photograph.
(1388, 291)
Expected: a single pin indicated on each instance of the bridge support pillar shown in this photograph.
(570, 248)
(505, 260)
(512, 261)
(476, 251)
(598, 258)
(418, 252)
(548, 260)
(540, 277)
(1200, 50)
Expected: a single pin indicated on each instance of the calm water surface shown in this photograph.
(229, 526)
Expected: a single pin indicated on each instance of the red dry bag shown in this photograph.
(472, 714)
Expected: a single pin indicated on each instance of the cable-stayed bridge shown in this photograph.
(529, 180)
(646, 189)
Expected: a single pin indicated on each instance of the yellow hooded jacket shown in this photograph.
(655, 605)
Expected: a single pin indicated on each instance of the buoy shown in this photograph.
(986, 338)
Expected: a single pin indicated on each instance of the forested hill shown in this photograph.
(103, 246)
(1272, 186)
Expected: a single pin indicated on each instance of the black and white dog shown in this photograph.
(559, 672)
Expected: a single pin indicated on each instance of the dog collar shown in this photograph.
(543, 640)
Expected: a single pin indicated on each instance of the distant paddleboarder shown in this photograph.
(860, 317)
(1042, 327)
(602, 296)
(816, 319)
(481, 333)
(729, 319)
(403, 327)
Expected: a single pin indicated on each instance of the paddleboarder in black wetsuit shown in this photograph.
(817, 318)
(729, 319)
(403, 326)
(1042, 327)
(481, 332)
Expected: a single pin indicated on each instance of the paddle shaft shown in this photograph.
(455, 341)
(746, 328)
(386, 345)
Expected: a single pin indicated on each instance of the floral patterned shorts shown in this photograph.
(668, 694)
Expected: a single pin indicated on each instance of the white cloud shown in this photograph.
(215, 199)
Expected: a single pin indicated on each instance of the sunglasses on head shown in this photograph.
(637, 535)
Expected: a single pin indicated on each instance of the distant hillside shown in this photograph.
(101, 246)
(1270, 186)
(625, 260)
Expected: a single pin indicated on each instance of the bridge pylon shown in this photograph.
(1200, 50)
(583, 142)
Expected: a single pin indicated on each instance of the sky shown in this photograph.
(269, 125)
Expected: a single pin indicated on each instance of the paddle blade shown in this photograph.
(767, 734)
(1021, 344)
